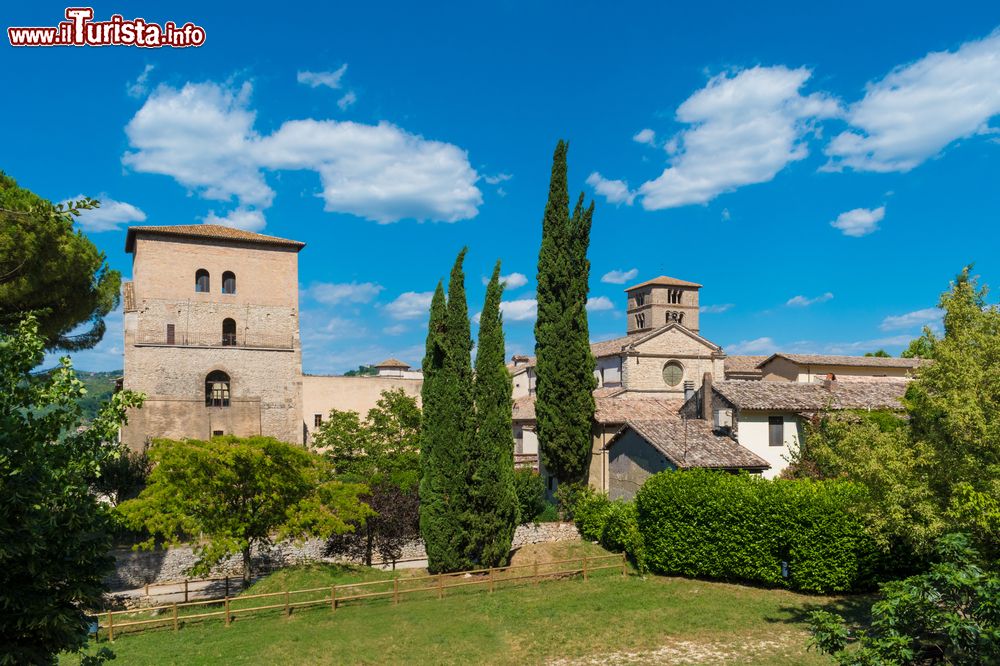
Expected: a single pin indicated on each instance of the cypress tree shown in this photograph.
(448, 428)
(493, 501)
(564, 404)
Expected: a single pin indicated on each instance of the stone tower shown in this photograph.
(661, 301)
(212, 334)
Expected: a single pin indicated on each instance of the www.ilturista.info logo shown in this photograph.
(81, 30)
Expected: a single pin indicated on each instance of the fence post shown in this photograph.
(185, 590)
(111, 627)
(227, 612)
(585, 567)
(227, 586)
(624, 565)
(440, 588)
(333, 597)
(395, 590)
(147, 590)
(288, 610)
(175, 616)
(491, 580)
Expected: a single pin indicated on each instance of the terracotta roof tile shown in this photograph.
(664, 280)
(858, 361)
(693, 444)
(611, 407)
(803, 397)
(216, 231)
(744, 366)
(393, 363)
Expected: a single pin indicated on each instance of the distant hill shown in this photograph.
(100, 386)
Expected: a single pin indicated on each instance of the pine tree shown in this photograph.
(448, 428)
(493, 501)
(564, 404)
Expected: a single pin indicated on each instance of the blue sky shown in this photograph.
(822, 171)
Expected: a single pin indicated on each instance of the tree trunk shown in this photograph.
(246, 567)
(369, 546)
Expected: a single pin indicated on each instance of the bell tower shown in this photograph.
(661, 301)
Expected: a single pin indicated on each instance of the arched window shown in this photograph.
(229, 282)
(201, 281)
(217, 389)
(228, 332)
(673, 373)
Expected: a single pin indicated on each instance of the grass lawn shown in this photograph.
(608, 618)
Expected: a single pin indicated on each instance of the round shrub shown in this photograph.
(530, 489)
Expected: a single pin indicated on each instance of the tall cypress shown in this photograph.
(493, 500)
(448, 428)
(564, 404)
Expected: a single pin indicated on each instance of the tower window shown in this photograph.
(640, 320)
(229, 282)
(228, 332)
(201, 281)
(217, 389)
(640, 299)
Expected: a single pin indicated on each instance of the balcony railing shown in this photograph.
(247, 340)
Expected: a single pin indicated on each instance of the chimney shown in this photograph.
(829, 381)
(706, 397)
(688, 390)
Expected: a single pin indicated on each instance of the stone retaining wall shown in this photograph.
(137, 568)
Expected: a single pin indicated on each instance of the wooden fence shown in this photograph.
(175, 614)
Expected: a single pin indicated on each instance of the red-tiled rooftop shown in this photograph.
(213, 231)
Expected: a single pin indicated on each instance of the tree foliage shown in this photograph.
(50, 271)
(54, 534)
(493, 510)
(947, 615)
(530, 489)
(238, 493)
(565, 368)
(385, 446)
(395, 522)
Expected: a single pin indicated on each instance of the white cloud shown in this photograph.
(109, 216)
(911, 319)
(498, 178)
(512, 281)
(599, 303)
(745, 128)
(917, 110)
(203, 136)
(715, 309)
(804, 302)
(523, 309)
(614, 191)
(646, 136)
(395, 329)
(726, 215)
(860, 221)
(240, 218)
(139, 87)
(763, 345)
(619, 277)
(317, 79)
(330, 293)
(349, 98)
(864, 346)
(410, 305)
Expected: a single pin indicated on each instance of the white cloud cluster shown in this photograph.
(410, 305)
(109, 216)
(599, 304)
(331, 293)
(763, 345)
(523, 309)
(715, 309)
(646, 136)
(240, 218)
(317, 79)
(860, 221)
(620, 277)
(140, 86)
(512, 281)
(804, 301)
(744, 129)
(911, 319)
(203, 136)
(613, 191)
(917, 110)
(349, 98)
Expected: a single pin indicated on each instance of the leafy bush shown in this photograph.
(530, 488)
(947, 615)
(569, 495)
(738, 527)
(590, 513)
(621, 532)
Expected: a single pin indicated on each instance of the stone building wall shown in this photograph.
(321, 393)
(644, 372)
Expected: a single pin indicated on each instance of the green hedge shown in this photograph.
(530, 489)
(738, 527)
(612, 524)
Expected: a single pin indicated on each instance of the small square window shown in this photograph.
(317, 420)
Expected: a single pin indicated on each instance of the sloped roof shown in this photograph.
(393, 363)
(666, 281)
(216, 231)
(693, 444)
(611, 407)
(746, 366)
(610, 347)
(808, 397)
(858, 361)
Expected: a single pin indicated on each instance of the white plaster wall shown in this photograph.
(753, 434)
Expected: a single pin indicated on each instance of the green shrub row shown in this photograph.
(742, 528)
(612, 524)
